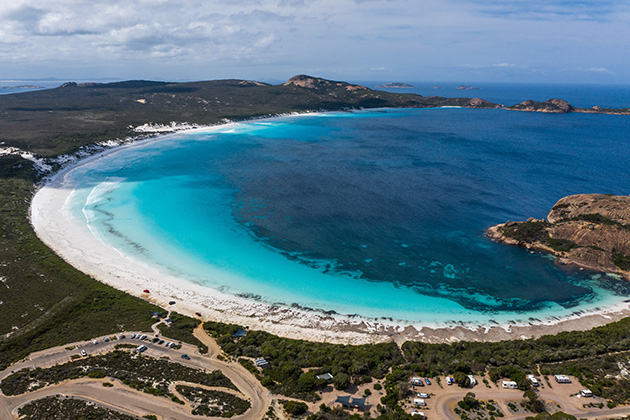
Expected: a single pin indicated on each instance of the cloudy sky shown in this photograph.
(584, 41)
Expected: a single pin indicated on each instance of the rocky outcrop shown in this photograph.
(589, 230)
(557, 106)
(560, 106)
(396, 85)
(311, 82)
(482, 103)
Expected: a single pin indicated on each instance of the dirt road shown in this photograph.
(128, 400)
(563, 395)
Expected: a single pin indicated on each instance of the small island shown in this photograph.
(396, 86)
(589, 230)
(464, 87)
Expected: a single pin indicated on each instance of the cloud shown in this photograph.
(598, 10)
(189, 39)
(595, 70)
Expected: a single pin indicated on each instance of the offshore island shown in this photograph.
(48, 304)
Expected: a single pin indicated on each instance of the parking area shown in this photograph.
(438, 400)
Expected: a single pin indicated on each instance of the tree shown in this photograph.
(461, 379)
(341, 381)
(306, 382)
(294, 408)
(534, 404)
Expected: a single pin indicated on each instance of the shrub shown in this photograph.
(294, 408)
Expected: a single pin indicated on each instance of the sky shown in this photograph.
(515, 41)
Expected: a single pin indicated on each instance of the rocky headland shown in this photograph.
(560, 106)
(589, 230)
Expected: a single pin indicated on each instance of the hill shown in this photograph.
(58, 121)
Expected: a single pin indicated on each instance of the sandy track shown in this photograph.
(128, 400)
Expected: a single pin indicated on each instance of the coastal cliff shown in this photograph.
(588, 230)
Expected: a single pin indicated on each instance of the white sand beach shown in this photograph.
(76, 244)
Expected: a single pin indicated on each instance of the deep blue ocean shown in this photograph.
(380, 213)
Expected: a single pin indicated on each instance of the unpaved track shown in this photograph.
(444, 403)
(126, 399)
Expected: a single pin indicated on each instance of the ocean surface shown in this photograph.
(379, 213)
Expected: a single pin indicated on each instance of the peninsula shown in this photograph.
(589, 230)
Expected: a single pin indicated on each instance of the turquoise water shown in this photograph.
(376, 213)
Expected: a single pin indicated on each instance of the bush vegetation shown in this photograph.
(505, 359)
(47, 302)
(144, 373)
(212, 403)
(622, 261)
(294, 408)
(536, 231)
(599, 374)
(288, 357)
(59, 408)
(182, 329)
(555, 416)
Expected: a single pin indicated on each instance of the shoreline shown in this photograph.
(107, 265)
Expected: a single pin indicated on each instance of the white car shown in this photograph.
(94, 341)
(133, 335)
(83, 353)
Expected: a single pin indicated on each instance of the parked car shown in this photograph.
(83, 353)
(185, 356)
(427, 381)
(122, 336)
(133, 335)
(106, 339)
(94, 341)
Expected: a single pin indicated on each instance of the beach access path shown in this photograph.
(128, 400)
